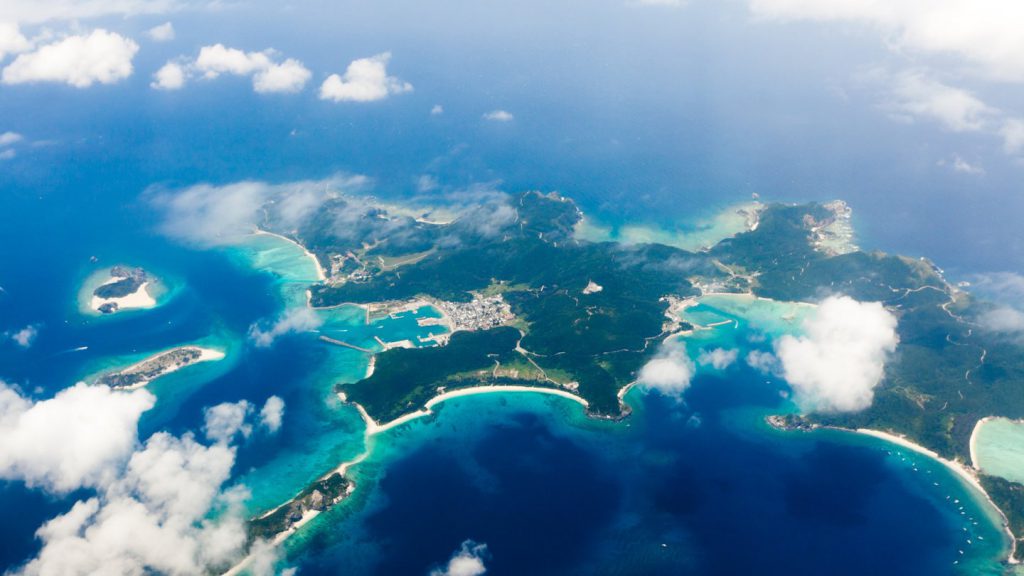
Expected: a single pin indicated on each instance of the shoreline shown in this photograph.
(320, 274)
(965, 473)
(373, 427)
(972, 443)
(141, 299)
(205, 355)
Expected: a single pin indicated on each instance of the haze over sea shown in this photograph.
(699, 486)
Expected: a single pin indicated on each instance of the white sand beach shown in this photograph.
(140, 299)
(967, 474)
(205, 355)
(320, 274)
(974, 441)
(373, 427)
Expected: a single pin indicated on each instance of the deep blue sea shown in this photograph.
(701, 486)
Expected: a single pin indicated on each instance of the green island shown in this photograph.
(315, 498)
(586, 316)
(128, 281)
(157, 365)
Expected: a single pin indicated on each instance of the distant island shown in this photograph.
(161, 364)
(125, 289)
(580, 318)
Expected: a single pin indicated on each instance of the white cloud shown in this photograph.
(153, 519)
(468, 560)
(162, 33)
(958, 164)
(80, 61)
(499, 116)
(221, 423)
(267, 74)
(437, 110)
(1003, 320)
(263, 556)
(365, 80)
(7, 154)
(212, 214)
(1012, 133)
(764, 362)
(39, 11)
(837, 364)
(272, 414)
(9, 138)
(158, 509)
(670, 371)
(11, 40)
(1006, 287)
(718, 358)
(292, 321)
(288, 76)
(916, 95)
(26, 336)
(170, 76)
(985, 33)
(219, 59)
(76, 439)
(216, 215)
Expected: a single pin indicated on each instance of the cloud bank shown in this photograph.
(979, 37)
(157, 508)
(836, 366)
(76, 439)
(12, 40)
(985, 33)
(670, 371)
(39, 11)
(365, 80)
(152, 519)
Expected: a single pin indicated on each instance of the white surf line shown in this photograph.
(373, 427)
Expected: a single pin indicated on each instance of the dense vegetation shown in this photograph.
(130, 279)
(406, 378)
(318, 496)
(597, 340)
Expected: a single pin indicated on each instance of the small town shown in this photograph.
(482, 313)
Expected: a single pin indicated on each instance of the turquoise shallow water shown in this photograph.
(999, 448)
